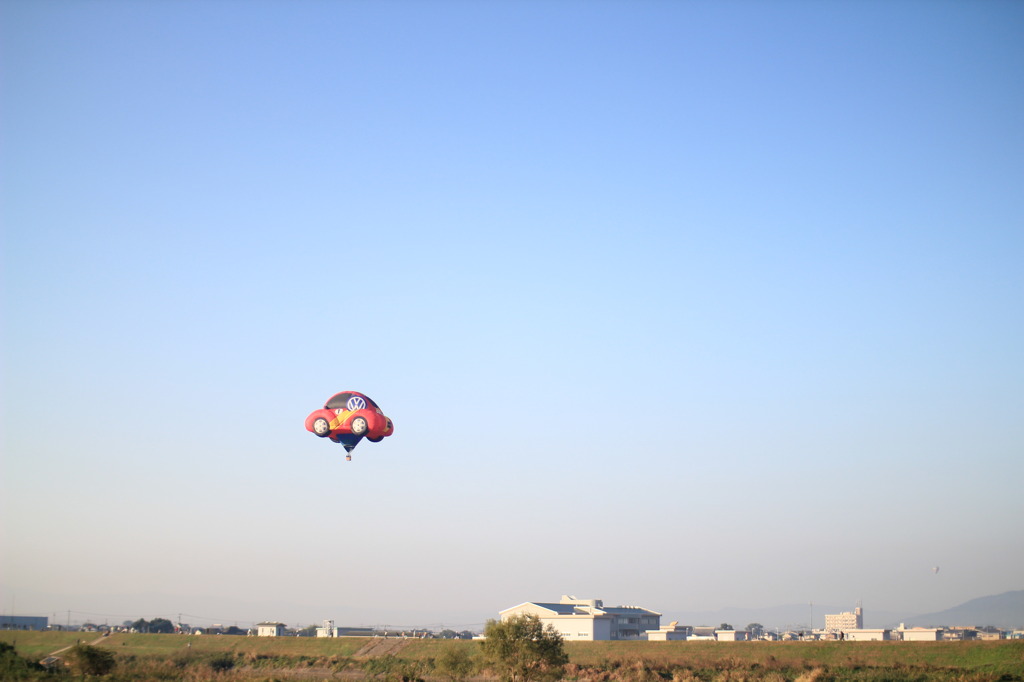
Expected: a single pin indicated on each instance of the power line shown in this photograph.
(105, 615)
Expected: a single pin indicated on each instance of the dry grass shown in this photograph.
(232, 658)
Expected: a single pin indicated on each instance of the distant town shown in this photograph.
(574, 619)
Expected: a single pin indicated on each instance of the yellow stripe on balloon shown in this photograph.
(340, 419)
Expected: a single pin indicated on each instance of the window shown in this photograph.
(340, 401)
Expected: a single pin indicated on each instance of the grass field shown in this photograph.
(231, 658)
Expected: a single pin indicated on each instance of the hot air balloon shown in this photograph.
(347, 418)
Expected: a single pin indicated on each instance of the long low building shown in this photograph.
(24, 622)
(589, 619)
(670, 633)
(920, 634)
(867, 635)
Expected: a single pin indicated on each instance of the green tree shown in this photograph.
(755, 629)
(455, 663)
(161, 625)
(91, 660)
(521, 648)
(725, 626)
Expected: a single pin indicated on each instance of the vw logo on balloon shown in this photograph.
(355, 403)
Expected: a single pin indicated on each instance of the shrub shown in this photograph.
(14, 667)
(455, 663)
(391, 667)
(521, 649)
(91, 660)
(221, 662)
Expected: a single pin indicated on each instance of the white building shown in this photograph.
(589, 619)
(867, 635)
(841, 622)
(269, 629)
(732, 635)
(670, 633)
(328, 629)
(702, 633)
(920, 634)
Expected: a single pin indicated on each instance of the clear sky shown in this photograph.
(688, 305)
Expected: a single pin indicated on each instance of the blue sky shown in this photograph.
(681, 304)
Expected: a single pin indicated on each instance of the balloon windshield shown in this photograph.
(350, 401)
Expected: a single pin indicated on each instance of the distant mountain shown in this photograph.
(1001, 610)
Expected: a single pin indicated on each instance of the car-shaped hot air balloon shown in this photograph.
(347, 418)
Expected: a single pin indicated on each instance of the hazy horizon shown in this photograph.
(199, 610)
(685, 305)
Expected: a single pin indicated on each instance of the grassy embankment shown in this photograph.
(264, 658)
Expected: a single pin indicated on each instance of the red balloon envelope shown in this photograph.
(347, 418)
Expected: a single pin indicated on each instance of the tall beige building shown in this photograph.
(836, 622)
